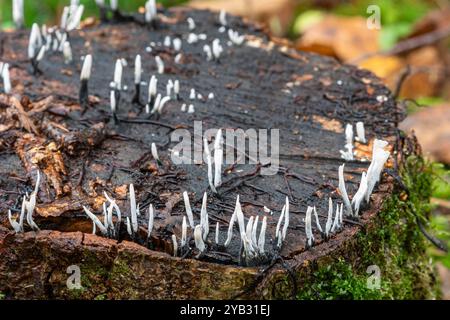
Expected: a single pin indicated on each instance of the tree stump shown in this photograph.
(81, 153)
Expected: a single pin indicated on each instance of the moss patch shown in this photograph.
(393, 243)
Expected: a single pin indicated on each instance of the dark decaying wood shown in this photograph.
(81, 153)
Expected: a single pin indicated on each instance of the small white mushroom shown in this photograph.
(262, 236)
(329, 222)
(379, 158)
(175, 245)
(151, 218)
(360, 132)
(199, 244)
(154, 152)
(17, 13)
(6, 79)
(316, 216)
(192, 94)
(223, 18)
(359, 195)
(308, 227)
(209, 164)
(204, 219)
(96, 221)
(218, 159)
(216, 49)
(230, 228)
(183, 232)
(86, 69)
(207, 50)
(137, 69)
(67, 52)
(217, 233)
(177, 43)
(159, 64)
(191, 23)
(133, 210)
(343, 191)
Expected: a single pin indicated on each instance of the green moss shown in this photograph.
(393, 243)
(2, 296)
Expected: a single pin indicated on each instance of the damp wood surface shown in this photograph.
(259, 85)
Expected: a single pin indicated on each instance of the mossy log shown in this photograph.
(261, 84)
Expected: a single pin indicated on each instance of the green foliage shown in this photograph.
(48, 11)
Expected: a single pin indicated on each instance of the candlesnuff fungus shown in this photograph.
(308, 227)
(210, 165)
(159, 64)
(151, 218)
(218, 159)
(183, 232)
(137, 79)
(199, 244)
(175, 245)
(360, 132)
(84, 79)
(152, 91)
(317, 220)
(329, 222)
(204, 219)
(67, 52)
(359, 196)
(343, 191)
(4, 73)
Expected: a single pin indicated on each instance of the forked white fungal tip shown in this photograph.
(216, 239)
(114, 4)
(359, 195)
(209, 165)
(360, 132)
(4, 73)
(183, 232)
(86, 69)
(67, 52)
(177, 43)
(262, 236)
(113, 103)
(97, 222)
(175, 245)
(199, 244)
(118, 70)
(218, 159)
(154, 152)
(223, 18)
(379, 158)
(151, 218)
(133, 209)
(159, 64)
(187, 206)
(308, 226)
(191, 23)
(343, 191)
(137, 69)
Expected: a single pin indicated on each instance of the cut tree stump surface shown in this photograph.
(259, 85)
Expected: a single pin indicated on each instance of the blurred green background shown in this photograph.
(48, 11)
